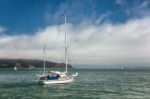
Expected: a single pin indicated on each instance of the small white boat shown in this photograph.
(122, 68)
(15, 68)
(57, 77)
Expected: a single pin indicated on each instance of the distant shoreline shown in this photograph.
(29, 63)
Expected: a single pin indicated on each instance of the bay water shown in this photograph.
(89, 84)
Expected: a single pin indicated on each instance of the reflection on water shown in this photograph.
(93, 84)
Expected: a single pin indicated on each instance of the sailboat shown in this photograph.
(15, 68)
(57, 77)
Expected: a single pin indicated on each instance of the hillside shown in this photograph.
(29, 63)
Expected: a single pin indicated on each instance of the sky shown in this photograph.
(103, 33)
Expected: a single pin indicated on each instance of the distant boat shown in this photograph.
(57, 77)
(15, 68)
(122, 67)
(31, 67)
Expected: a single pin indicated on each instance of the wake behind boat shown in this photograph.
(57, 77)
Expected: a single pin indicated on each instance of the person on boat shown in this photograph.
(58, 76)
(42, 78)
(48, 76)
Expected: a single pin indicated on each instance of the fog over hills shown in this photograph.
(29, 63)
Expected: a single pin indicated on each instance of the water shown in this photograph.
(90, 84)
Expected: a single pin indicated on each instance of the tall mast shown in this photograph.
(44, 55)
(66, 45)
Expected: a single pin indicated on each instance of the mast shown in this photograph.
(44, 54)
(66, 45)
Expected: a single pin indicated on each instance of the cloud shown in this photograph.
(108, 43)
(122, 43)
(2, 29)
(103, 17)
(77, 10)
(134, 9)
(139, 9)
(30, 46)
(120, 2)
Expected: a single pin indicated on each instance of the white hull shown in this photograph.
(59, 81)
(15, 68)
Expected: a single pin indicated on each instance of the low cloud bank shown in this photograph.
(126, 43)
